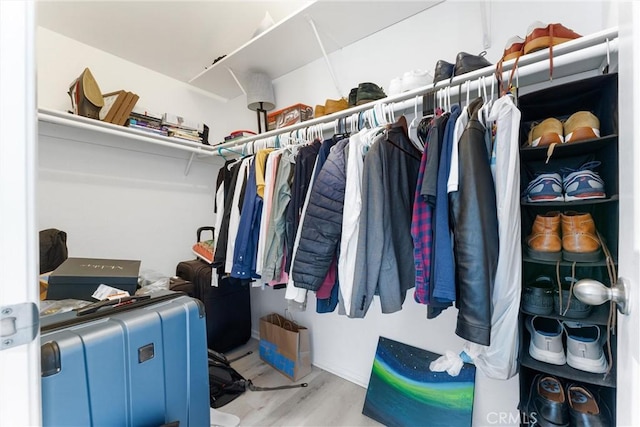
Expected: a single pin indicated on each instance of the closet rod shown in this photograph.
(532, 68)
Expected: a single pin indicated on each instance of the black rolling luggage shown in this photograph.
(227, 305)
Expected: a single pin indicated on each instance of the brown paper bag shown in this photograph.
(285, 346)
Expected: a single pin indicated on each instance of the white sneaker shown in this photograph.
(395, 86)
(584, 348)
(546, 340)
(415, 79)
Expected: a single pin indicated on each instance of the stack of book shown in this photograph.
(147, 121)
(117, 107)
(179, 127)
(236, 135)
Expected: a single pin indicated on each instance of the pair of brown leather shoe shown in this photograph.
(579, 241)
(580, 126)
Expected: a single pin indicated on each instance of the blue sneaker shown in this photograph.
(583, 184)
(546, 187)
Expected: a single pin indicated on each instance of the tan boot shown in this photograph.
(580, 241)
(544, 242)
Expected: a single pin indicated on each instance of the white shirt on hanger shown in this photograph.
(351, 216)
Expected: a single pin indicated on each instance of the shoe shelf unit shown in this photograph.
(599, 96)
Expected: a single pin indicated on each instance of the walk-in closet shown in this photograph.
(423, 225)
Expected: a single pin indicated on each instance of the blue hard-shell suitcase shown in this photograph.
(141, 363)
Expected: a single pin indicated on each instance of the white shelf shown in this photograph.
(291, 43)
(79, 122)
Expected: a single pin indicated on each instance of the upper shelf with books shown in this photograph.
(64, 120)
(292, 43)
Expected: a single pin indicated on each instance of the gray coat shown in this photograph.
(384, 261)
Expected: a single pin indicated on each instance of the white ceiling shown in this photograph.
(176, 38)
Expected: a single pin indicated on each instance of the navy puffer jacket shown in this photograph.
(322, 223)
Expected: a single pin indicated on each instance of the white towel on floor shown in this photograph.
(222, 419)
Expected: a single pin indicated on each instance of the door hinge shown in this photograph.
(19, 324)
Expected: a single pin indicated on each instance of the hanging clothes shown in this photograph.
(351, 216)
(218, 207)
(421, 232)
(384, 261)
(475, 226)
(443, 279)
(326, 297)
(461, 124)
(275, 235)
(271, 169)
(297, 297)
(321, 230)
(231, 172)
(246, 246)
(236, 206)
(305, 162)
(435, 141)
(500, 359)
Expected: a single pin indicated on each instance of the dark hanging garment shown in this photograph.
(322, 227)
(305, 161)
(230, 179)
(475, 227)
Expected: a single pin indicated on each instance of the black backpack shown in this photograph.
(226, 384)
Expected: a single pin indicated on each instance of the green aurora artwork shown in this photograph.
(404, 392)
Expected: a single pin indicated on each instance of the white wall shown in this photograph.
(157, 92)
(121, 198)
(118, 202)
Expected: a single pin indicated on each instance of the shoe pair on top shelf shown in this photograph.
(410, 80)
(465, 63)
(579, 242)
(539, 36)
(584, 344)
(580, 126)
(551, 404)
(542, 296)
(364, 93)
(568, 185)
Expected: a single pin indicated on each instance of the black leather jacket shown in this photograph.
(475, 228)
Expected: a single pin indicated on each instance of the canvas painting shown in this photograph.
(403, 391)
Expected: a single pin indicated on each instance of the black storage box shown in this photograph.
(78, 278)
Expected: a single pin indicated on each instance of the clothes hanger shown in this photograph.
(468, 82)
(412, 130)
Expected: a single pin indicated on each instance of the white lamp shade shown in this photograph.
(260, 89)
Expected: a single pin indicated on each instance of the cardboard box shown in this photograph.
(288, 116)
(78, 278)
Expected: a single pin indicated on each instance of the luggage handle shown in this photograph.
(113, 303)
(140, 301)
(201, 229)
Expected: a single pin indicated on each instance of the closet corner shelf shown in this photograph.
(569, 149)
(568, 205)
(568, 372)
(79, 122)
(275, 53)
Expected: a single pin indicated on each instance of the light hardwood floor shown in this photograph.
(328, 400)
